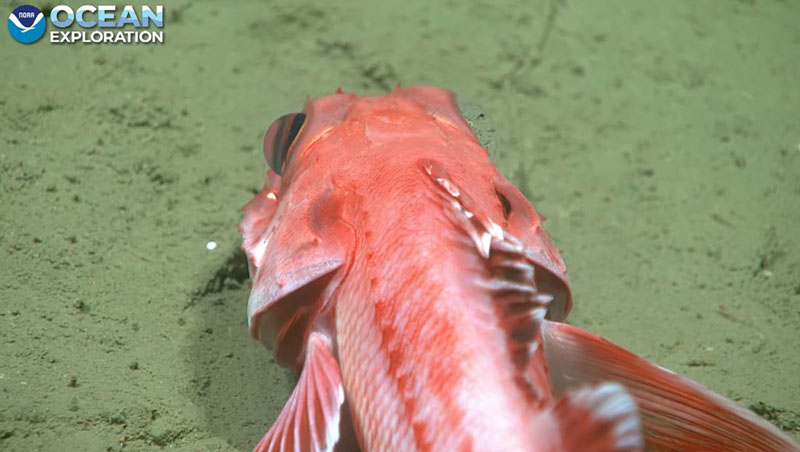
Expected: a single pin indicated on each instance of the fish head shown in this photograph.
(299, 232)
(295, 232)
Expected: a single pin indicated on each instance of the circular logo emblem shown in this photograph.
(26, 24)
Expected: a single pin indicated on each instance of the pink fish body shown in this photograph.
(417, 295)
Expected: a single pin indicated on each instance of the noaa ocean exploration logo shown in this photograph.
(100, 24)
(26, 24)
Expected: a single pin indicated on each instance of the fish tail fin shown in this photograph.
(601, 418)
(677, 413)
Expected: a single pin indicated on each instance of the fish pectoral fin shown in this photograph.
(677, 413)
(315, 418)
(601, 418)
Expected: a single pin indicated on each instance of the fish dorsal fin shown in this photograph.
(600, 418)
(520, 307)
(526, 225)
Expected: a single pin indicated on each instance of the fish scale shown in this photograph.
(415, 291)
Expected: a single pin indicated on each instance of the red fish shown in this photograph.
(413, 289)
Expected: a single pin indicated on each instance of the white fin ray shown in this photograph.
(520, 306)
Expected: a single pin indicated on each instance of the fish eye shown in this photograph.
(279, 139)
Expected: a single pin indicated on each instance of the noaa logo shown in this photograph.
(26, 24)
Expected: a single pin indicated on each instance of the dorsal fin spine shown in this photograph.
(520, 307)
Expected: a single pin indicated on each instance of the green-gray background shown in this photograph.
(660, 138)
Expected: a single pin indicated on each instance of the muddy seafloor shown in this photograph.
(659, 138)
